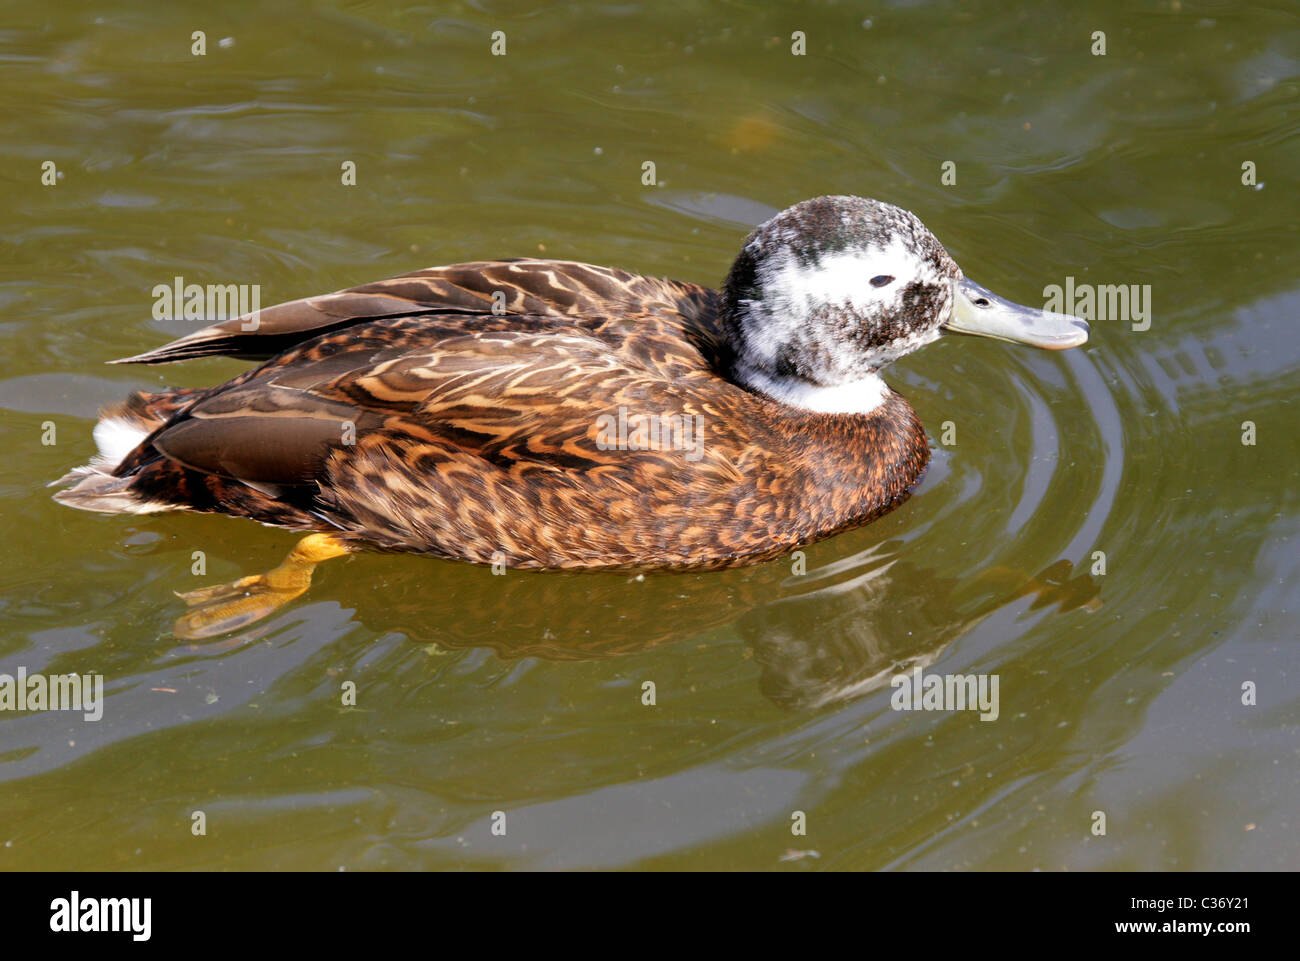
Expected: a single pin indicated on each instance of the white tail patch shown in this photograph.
(115, 437)
(94, 486)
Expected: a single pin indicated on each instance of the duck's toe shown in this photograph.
(228, 607)
(221, 608)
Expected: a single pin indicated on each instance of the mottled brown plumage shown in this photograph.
(407, 415)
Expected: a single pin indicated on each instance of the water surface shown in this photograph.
(1121, 692)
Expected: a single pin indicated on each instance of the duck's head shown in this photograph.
(829, 291)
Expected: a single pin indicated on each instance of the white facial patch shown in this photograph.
(845, 277)
(793, 292)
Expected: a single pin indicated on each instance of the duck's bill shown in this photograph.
(979, 311)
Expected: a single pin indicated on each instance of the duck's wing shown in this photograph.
(404, 435)
(497, 288)
(522, 448)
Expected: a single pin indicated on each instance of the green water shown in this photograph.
(1120, 692)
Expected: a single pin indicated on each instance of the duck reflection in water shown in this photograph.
(840, 631)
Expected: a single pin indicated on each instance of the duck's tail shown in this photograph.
(120, 431)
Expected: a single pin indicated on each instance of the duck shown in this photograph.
(540, 414)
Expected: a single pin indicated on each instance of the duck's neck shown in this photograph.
(798, 372)
(862, 396)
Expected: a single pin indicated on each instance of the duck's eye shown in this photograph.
(882, 280)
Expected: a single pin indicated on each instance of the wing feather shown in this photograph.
(496, 288)
(512, 399)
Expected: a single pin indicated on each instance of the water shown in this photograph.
(1119, 692)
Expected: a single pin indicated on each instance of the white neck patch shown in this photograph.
(858, 397)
